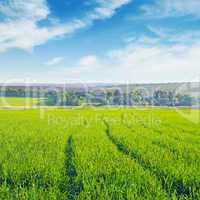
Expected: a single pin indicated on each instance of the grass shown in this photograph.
(9, 102)
(99, 154)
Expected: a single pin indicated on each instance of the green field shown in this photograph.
(9, 102)
(99, 154)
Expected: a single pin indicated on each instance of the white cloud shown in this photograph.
(175, 36)
(55, 61)
(172, 8)
(32, 9)
(25, 34)
(106, 8)
(89, 60)
(20, 28)
(140, 61)
(87, 64)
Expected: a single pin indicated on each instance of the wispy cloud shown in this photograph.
(20, 28)
(175, 36)
(152, 60)
(106, 8)
(172, 8)
(143, 60)
(17, 9)
(25, 34)
(54, 61)
(88, 60)
(87, 64)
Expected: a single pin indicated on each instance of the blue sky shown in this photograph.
(134, 41)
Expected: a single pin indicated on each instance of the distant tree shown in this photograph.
(137, 97)
(51, 99)
(72, 99)
(117, 97)
(172, 99)
(161, 98)
(109, 97)
(185, 100)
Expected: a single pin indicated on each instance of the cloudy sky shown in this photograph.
(135, 41)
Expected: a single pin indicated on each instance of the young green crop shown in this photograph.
(177, 175)
(99, 154)
(105, 173)
(12, 102)
(32, 156)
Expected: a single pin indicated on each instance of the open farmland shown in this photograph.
(20, 102)
(99, 154)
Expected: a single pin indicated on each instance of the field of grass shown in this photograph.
(9, 102)
(99, 154)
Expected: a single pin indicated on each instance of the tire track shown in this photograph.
(176, 186)
(70, 185)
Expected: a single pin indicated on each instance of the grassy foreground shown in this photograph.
(99, 154)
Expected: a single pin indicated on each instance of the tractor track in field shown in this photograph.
(177, 186)
(70, 185)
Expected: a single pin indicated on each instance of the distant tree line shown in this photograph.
(20, 92)
(114, 97)
(118, 98)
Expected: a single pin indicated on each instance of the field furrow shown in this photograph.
(119, 154)
(176, 177)
(107, 173)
